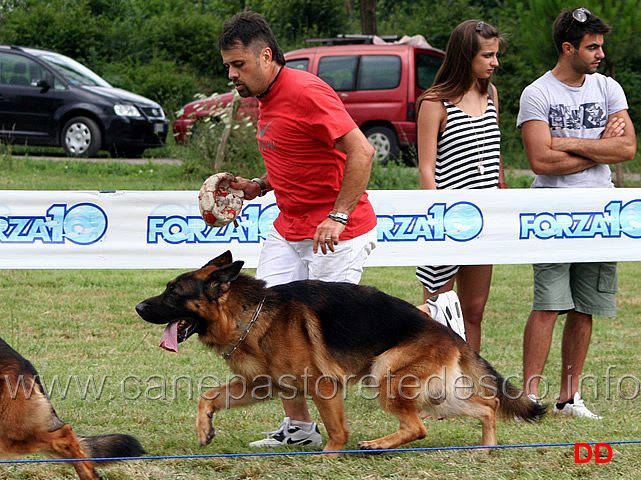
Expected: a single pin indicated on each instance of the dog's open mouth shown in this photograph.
(175, 333)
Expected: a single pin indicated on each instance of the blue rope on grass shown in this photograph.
(275, 454)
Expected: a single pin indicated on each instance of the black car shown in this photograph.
(49, 99)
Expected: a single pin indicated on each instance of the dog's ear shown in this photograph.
(225, 274)
(220, 260)
(219, 280)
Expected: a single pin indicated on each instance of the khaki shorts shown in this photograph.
(588, 288)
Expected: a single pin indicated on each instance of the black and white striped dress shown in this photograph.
(468, 155)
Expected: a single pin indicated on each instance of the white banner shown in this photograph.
(163, 229)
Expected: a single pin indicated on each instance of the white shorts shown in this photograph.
(282, 261)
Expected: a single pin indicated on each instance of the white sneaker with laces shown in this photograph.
(576, 408)
(289, 433)
(447, 311)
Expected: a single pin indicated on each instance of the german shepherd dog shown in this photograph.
(309, 338)
(29, 424)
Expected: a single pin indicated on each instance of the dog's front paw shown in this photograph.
(369, 445)
(204, 429)
(205, 433)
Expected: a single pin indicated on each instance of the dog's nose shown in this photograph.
(140, 308)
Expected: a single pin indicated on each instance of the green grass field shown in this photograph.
(104, 372)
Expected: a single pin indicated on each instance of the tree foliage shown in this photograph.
(166, 49)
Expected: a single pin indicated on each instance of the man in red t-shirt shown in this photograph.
(318, 164)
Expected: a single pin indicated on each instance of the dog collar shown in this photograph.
(242, 338)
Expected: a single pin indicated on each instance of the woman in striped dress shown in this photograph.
(459, 147)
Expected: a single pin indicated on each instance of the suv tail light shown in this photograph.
(411, 111)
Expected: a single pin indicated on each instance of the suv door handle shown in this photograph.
(344, 95)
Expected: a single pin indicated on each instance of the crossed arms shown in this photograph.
(561, 156)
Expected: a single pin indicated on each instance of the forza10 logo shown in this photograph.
(615, 220)
(82, 224)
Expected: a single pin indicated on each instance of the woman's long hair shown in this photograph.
(455, 77)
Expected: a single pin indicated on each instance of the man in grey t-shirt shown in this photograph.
(575, 124)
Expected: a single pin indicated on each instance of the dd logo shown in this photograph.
(597, 457)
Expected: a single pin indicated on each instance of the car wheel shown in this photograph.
(384, 142)
(81, 137)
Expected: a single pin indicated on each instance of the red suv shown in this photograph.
(377, 80)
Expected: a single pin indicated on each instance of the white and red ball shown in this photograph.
(219, 203)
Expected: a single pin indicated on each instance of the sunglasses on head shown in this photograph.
(580, 14)
(480, 25)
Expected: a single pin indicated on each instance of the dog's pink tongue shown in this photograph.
(169, 340)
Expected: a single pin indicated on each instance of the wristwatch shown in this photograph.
(263, 187)
(339, 217)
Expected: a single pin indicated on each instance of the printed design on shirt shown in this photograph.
(262, 131)
(587, 115)
(265, 144)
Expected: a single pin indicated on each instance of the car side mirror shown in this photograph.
(43, 85)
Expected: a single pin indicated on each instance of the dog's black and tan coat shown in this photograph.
(29, 424)
(311, 337)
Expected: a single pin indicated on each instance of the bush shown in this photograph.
(159, 80)
(395, 175)
(241, 156)
(66, 27)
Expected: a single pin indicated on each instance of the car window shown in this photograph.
(426, 68)
(20, 71)
(379, 72)
(339, 72)
(73, 72)
(298, 63)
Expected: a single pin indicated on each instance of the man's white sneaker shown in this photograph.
(290, 434)
(577, 408)
(448, 311)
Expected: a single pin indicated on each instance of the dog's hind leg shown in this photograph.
(401, 401)
(61, 443)
(485, 410)
(410, 428)
(65, 444)
(29, 424)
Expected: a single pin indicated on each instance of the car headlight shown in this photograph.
(126, 111)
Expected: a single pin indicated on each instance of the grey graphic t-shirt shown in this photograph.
(577, 112)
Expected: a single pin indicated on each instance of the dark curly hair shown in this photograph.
(252, 31)
(567, 29)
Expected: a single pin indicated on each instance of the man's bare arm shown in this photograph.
(617, 143)
(357, 169)
(544, 160)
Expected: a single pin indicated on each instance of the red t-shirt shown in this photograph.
(300, 119)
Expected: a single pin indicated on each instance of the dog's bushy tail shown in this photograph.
(111, 446)
(514, 403)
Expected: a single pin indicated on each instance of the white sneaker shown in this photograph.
(448, 311)
(576, 408)
(289, 434)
